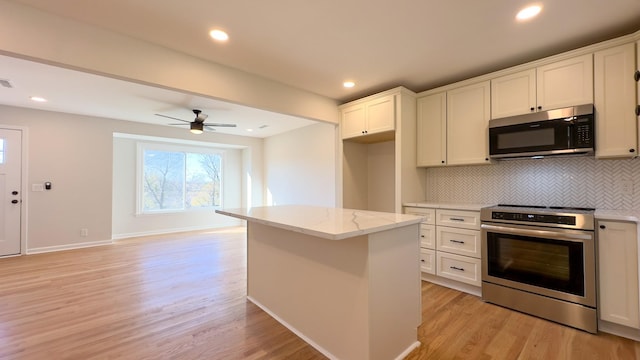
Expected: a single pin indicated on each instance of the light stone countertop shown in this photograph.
(449, 206)
(327, 223)
(620, 215)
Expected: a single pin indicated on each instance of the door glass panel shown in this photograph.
(1, 151)
(550, 264)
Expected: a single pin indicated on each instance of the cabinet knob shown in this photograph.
(632, 150)
(602, 227)
(636, 75)
(532, 109)
(638, 110)
(443, 161)
(539, 107)
(486, 159)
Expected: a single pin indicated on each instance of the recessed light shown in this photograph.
(219, 35)
(528, 12)
(348, 84)
(38, 99)
(249, 130)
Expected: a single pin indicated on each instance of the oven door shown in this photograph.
(558, 263)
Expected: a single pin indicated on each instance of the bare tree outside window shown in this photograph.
(174, 180)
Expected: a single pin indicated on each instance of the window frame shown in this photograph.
(142, 146)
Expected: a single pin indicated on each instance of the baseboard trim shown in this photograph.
(619, 330)
(452, 284)
(170, 231)
(47, 249)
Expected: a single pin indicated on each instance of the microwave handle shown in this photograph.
(557, 235)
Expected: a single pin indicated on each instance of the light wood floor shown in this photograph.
(182, 296)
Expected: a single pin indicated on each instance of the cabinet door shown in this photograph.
(459, 241)
(618, 272)
(565, 83)
(432, 130)
(428, 261)
(468, 113)
(513, 94)
(380, 114)
(428, 236)
(428, 214)
(458, 218)
(353, 121)
(459, 268)
(615, 99)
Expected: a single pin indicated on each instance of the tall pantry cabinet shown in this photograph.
(378, 143)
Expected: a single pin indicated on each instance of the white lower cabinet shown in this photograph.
(458, 241)
(460, 268)
(427, 237)
(450, 247)
(618, 273)
(428, 261)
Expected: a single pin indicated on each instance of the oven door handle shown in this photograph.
(537, 233)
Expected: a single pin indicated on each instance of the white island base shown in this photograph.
(353, 297)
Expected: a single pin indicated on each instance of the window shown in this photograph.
(176, 179)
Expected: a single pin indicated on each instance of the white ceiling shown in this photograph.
(316, 45)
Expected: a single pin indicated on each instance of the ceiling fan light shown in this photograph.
(196, 127)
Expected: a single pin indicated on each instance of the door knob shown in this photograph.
(14, 201)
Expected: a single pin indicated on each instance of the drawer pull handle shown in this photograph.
(456, 268)
(421, 236)
(457, 241)
(456, 219)
(422, 260)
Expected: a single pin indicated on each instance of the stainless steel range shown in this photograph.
(541, 261)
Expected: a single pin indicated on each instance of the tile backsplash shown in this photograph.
(569, 181)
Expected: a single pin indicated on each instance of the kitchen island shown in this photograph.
(346, 281)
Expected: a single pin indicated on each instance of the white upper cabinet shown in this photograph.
(468, 114)
(556, 85)
(565, 83)
(369, 117)
(513, 94)
(432, 130)
(615, 102)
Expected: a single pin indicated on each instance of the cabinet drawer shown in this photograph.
(459, 268)
(458, 218)
(428, 236)
(428, 214)
(459, 241)
(428, 261)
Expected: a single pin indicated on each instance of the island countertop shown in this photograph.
(323, 222)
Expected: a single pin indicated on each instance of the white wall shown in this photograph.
(300, 166)
(126, 223)
(75, 153)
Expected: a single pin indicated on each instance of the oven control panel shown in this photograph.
(536, 218)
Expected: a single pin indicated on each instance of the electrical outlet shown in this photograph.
(626, 187)
(84, 232)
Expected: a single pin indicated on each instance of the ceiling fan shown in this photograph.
(198, 125)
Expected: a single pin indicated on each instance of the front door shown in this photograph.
(10, 191)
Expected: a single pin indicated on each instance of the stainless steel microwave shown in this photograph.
(566, 131)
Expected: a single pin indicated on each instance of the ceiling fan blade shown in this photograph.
(201, 117)
(178, 124)
(220, 125)
(171, 117)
